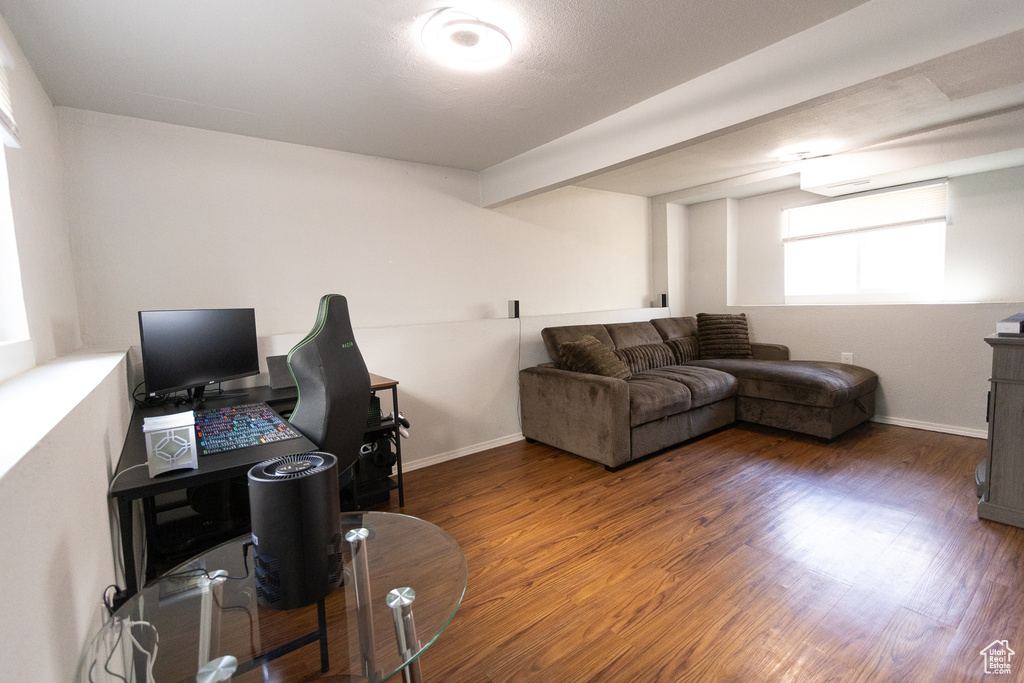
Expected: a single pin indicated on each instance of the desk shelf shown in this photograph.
(132, 482)
(373, 484)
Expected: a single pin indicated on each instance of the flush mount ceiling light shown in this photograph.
(463, 41)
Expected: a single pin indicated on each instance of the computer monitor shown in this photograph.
(190, 349)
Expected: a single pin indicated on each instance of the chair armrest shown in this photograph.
(584, 414)
(769, 351)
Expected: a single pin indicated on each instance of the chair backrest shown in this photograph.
(333, 384)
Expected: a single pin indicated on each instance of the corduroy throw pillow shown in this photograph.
(685, 349)
(645, 357)
(723, 335)
(589, 355)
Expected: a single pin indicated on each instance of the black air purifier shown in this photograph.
(296, 529)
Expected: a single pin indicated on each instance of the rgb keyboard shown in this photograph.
(242, 426)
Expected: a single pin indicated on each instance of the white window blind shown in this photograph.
(8, 127)
(16, 351)
(881, 247)
(919, 204)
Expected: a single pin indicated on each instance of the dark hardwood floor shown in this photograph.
(748, 555)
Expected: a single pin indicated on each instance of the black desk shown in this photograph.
(133, 484)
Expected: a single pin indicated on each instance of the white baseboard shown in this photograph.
(409, 466)
(458, 453)
(932, 427)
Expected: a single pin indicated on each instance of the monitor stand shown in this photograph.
(196, 395)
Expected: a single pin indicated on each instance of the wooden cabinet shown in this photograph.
(1002, 486)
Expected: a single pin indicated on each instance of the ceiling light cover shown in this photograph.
(463, 41)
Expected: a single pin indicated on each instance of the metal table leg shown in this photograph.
(364, 612)
(212, 589)
(400, 601)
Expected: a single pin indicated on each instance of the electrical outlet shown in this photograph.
(846, 357)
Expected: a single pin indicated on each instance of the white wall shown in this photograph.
(932, 363)
(668, 253)
(163, 216)
(707, 246)
(760, 260)
(985, 237)
(57, 539)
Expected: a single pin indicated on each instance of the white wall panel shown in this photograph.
(168, 217)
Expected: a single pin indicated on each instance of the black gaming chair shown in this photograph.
(333, 386)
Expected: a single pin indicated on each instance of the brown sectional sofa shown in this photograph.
(671, 394)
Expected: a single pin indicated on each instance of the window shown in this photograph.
(887, 246)
(16, 353)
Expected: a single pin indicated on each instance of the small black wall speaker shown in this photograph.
(513, 308)
(296, 529)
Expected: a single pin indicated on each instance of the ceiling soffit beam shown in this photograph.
(970, 146)
(760, 182)
(875, 39)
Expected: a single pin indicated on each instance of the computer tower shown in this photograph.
(296, 529)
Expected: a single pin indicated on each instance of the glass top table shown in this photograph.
(404, 581)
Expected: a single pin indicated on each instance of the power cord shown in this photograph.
(114, 600)
(120, 626)
(127, 469)
(175, 398)
(199, 571)
(114, 596)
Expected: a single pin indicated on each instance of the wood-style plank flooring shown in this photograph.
(751, 554)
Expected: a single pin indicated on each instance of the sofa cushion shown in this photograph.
(764, 351)
(706, 385)
(676, 328)
(652, 398)
(723, 335)
(646, 356)
(813, 383)
(633, 334)
(556, 336)
(591, 356)
(684, 349)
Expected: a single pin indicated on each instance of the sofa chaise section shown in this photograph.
(817, 398)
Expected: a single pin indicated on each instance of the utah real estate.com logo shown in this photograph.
(997, 657)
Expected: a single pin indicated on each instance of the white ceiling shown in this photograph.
(977, 82)
(352, 76)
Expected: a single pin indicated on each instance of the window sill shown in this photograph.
(37, 400)
(15, 358)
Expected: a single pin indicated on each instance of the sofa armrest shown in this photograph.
(584, 414)
(769, 351)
